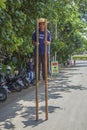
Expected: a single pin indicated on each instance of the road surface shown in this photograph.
(67, 108)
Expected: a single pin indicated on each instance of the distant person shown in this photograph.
(74, 62)
(30, 69)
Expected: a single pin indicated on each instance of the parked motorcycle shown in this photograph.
(13, 82)
(24, 78)
(3, 88)
(3, 91)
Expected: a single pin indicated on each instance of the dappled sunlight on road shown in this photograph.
(21, 112)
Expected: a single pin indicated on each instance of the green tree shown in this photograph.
(18, 19)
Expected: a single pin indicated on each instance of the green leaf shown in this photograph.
(2, 4)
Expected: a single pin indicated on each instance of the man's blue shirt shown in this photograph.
(41, 41)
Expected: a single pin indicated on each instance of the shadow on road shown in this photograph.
(28, 116)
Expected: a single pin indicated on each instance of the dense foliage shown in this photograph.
(67, 23)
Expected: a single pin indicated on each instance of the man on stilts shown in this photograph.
(41, 39)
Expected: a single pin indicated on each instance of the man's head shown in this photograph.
(42, 23)
(42, 26)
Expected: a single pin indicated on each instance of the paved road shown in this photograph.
(67, 104)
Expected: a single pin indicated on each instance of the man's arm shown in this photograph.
(48, 39)
(34, 43)
(47, 42)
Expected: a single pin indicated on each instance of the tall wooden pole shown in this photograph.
(46, 71)
(37, 54)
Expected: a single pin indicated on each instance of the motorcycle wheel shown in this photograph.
(3, 95)
(17, 88)
(26, 84)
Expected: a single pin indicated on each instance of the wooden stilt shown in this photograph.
(37, 53)
(46, 71)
